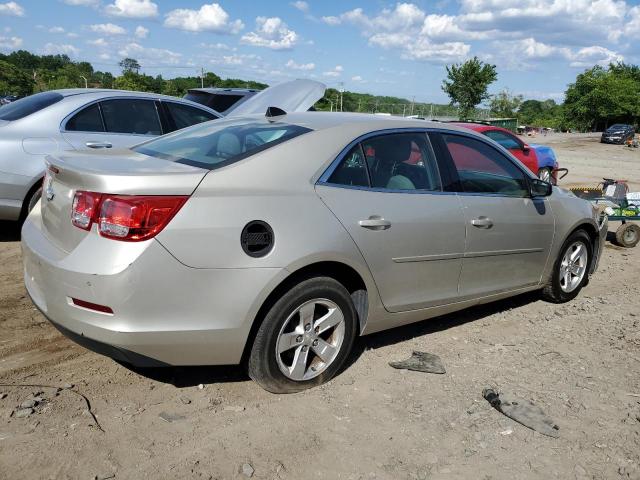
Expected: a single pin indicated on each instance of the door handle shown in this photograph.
(98, 145)
(482, 222)
(375, 223)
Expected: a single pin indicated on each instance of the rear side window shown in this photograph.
(399, 161)
(137, 117)
(86, 120)
(213, 145)
(503, 139)
(28, 105)
(483, 169)
(218, 102)
(184, 115)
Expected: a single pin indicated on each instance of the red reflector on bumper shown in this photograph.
(91, 306)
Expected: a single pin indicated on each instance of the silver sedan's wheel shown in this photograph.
(573, 266)
(310, 339)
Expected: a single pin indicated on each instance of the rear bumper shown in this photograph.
(164, 312)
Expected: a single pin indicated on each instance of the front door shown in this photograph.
(509, 234)
(388, 195)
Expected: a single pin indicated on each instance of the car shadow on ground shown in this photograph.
(182, 377)
(9, 231)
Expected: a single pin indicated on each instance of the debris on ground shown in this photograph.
(23, 412)
(421, 362)
(247, 470)
(522, 411)
(171, 417)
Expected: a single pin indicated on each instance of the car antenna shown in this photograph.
(274, 112)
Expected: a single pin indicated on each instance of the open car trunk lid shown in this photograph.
(293, 96)
(118, 172)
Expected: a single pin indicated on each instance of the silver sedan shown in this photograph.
(274, 241)
(59, 120)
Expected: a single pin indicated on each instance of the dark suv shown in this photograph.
(222, 100)
(618, 133)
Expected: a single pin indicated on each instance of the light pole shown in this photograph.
(86, 85)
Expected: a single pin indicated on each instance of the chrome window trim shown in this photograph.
(324, 178)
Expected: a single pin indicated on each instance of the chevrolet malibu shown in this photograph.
(274, 241)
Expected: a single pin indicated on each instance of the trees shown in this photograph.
(129, 65)
(467, 84)
(14, 81)
(505, 104)
(601, 96)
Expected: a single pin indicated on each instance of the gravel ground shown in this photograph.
(580, 362)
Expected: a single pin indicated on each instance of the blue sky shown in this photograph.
(370, 46)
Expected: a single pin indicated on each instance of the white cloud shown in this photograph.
(300, 66)
(11, 8)
(56, 30)
(408, 29)
(100, 42)
(132, 9)
(104, 56)
(215, 46)
(336, 72)
(155, 55)
(209, 18)
(107, 29)
(61, 49)
(300, 5)
(589, 56)
(271, 33)
(357, 78)
(72, 35)
(10, 43)
(141, 32)
(82, 3)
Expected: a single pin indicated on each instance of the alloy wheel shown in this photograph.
(573, 266)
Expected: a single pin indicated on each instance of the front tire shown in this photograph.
(305, 337)
(571, 270)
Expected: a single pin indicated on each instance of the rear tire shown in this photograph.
(295, 348)
(571, 269)
(32, 199)
(628, 235)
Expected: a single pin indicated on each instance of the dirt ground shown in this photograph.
(580, 362)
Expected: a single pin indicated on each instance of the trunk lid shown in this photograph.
(118, 172)
(293, 96)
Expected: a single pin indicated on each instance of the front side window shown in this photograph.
(215, 144)
(28, 105)
(483, 169)
(86, 120)
(131, 116)
(399, 161)
(503, 139)
(185, 115)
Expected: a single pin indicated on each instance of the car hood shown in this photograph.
(293, 96)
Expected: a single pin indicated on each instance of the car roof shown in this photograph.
(101, 92)
(481, 127)
(363, 121)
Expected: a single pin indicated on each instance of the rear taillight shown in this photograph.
(129, 218)
(84, 209)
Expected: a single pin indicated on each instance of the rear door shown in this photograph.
(387, 192)
(509, 234)
(113, 123)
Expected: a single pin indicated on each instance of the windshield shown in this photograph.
(214, 145)
(618, 126)
(28, 105)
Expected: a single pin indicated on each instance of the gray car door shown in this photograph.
(113, 123)
(509, 234)
(387, 192)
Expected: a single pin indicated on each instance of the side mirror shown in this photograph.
(526, 147)
(539, 188)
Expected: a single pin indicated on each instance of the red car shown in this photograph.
(537, 158)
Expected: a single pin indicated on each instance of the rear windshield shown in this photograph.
(214, 145)
(28, 105)
(219, 102)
